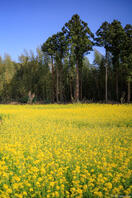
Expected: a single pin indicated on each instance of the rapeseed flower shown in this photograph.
(65, 151)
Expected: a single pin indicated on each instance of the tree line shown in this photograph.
(60, 72)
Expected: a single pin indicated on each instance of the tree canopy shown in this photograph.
(61, 72)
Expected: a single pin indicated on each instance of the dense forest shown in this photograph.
(60, 71)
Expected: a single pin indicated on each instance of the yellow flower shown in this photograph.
(15, 186)
(5, 186)
(52, 184)
(9, 190)
(57, 187)
(79, 191)
(59, 146)
(25, 193)
(31, 189)
(73, 189)
(56, 194)
(99, 194)
(108, 185)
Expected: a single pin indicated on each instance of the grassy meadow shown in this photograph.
(75, 150)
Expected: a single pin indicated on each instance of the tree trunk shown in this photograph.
(57, 85)
(129, 91)
(53, 81)
(71, 90)
(77, 82)
(97, 85)
(81, 84)
(61, 84)
(117, 89)
(106, 78)
(106, 83)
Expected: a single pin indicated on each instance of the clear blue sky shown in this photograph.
(26, 24)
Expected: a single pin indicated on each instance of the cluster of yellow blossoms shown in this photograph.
(81, 150)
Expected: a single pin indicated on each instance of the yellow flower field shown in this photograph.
(81, 150)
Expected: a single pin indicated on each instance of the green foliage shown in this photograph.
(23, 99)
(79, 36)
(60, 71)
(103, 36)
(97, 58)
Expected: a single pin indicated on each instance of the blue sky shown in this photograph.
(26, 24)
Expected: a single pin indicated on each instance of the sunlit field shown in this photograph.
(65, 151)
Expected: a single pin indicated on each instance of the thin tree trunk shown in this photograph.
(129, 91)
(77, 82)
(106, 83)
(61, 84)
(117, 89)
(57, 85)
(97, 85)
(71, 90)
(53, 81)
(106, 77)
(81, 84)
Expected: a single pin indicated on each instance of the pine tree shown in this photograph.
(79, 37)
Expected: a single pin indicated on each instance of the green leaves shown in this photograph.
(103, 36)
(78, 35)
